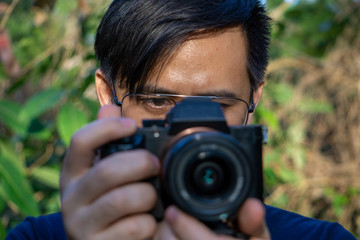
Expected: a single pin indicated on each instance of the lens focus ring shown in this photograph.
(207, 175)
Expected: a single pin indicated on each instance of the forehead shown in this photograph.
(209, 63)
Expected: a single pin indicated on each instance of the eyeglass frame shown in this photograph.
(250, 106)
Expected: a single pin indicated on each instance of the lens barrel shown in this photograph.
(207, 174)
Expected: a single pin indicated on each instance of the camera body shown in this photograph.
(207, 168)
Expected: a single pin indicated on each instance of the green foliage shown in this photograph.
(9, 116)
(293, 106)
(69, 120)
(15, 188)
(315, 106)
(310, 27)
(48, 176)
(41, 109)
(40, 103)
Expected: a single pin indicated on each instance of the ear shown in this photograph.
(103, 90)
(257, 94)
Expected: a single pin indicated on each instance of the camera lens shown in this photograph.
(208, 177)
(206, 174)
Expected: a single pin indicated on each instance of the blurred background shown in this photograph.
(311, 104)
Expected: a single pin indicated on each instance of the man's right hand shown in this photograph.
(107, 200)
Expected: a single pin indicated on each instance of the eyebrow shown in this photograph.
(161, 90)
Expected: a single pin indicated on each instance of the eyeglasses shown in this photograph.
(156, 105)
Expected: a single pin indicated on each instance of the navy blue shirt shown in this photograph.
(282, 225)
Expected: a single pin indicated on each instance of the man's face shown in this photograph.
(214, 65)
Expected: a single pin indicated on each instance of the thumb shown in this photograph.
(251, 219)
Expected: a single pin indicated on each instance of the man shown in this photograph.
(152, 54)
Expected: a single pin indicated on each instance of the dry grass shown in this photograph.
(332, 140)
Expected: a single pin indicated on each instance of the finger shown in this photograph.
(86, 141)
(122, 201)
(164, 232)
(109, 111)
(187, 227)
(251, 219)
(142, 226)
(116, 170)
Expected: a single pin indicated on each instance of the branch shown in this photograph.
(7, 14)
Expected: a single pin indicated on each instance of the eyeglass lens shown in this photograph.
(156, 107)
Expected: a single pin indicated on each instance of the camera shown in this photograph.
(208, 168)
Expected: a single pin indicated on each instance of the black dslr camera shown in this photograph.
(207, 168)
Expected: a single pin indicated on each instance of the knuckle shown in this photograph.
(73, 227)
(119, 200)
(111, 207)
(132, 230)
(130, 199)
(71, 230)
(67, 204)
(103, 171)
(77, 139)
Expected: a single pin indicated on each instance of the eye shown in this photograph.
(225, 103)
(157, 102)
(158, 105)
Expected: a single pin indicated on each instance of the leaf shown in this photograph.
(53, 203)
(16, 188)
(9, 115)
(2, 231)
(65, 7)
(298, 155)
(296, 132)
(38, 130)
(47, 176)
(8, 151)
(69, 120)
(92, 106)
(315, 106)
(287, 175)
(270, 177)
(281, 92)
(40, 103)
(268, 117)
(281, 201)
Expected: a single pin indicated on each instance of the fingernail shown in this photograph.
(171, 214)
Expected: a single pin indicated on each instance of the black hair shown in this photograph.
(136, 36)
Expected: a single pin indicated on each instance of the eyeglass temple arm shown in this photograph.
(116, 100)
(252, 104)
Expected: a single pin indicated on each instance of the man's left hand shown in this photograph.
(181, 226)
